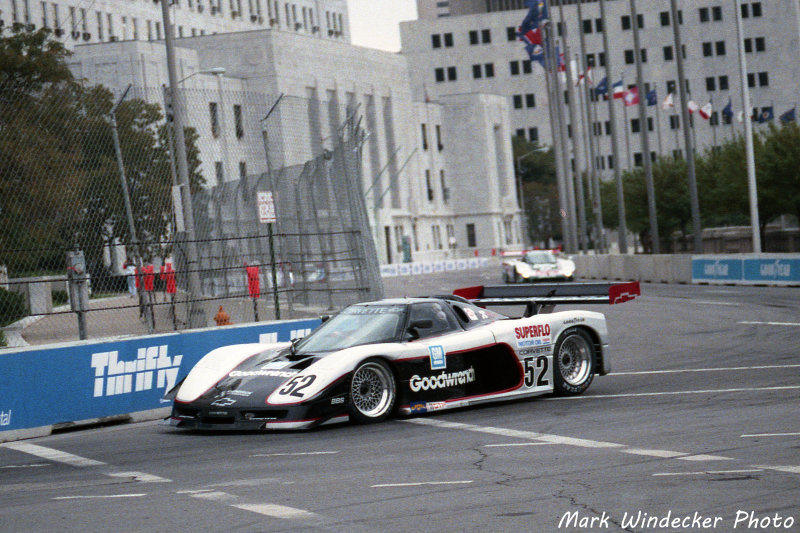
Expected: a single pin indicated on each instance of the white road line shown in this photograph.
(34, 465)
(98, 497)
(51, 454)
(685, 370)
(276, 511)
(213, 495)
(516, 444)
(771, 435)
(291, 454)
(756, 323)
(788, 469)
(568, 441)
(709, 472)
(708, 302)
(140, 477)
(419, 483)
(669, 393)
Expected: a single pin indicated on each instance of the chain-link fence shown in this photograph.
(90, 219)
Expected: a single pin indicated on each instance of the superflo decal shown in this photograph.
(442, 380)
(534, 335)
(113, 377)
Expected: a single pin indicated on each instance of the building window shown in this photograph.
(723, 83)
(477, 72)
(745, 10)
(704, 14)
(664, 16)
(517, 99)
(708, 49)
(511, 33)
(674, 122)
(428, 185)
(533, 135)
(213, 112)
(473, 37)
(514, 67)
(486, 36)
(439, 74)
(756, 9)
(472, 240)
(637, 159)
(668, 56)
(711, 84)
(587, 26)
(720, 46)
(629, 60)
(436, 40)
(488, 70)
(716, 13)
(237, 121)
(763, 79)
(451, 74)
(626, 22)
(598, 25)
(439, 145)
(635, 125)
(530, 100)
(671, 85)
(521, 132)
(448, 40)
(242, 170)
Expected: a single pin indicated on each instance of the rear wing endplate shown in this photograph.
(537, 296)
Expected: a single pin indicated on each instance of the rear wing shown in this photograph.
(547, 295)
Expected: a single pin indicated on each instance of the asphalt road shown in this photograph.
(697, 427)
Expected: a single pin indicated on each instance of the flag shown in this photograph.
(618, 90)
(705, 111)
(789, 116)
(652, 98)
(532, 36)
(535, 53)
(631, 97)
(728, 110)
(766, 115)
(740, 117)
(669, 102)
(536, 14)
(692, 106)
(602, 87)
(562, 66)
(585, 76)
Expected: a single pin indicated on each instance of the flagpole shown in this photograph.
(597, 207)
(658, 128)
(555, 131)
(713, 126)
(565, 154)
(576, 138)
(648, 167)
(623, 227)
(748, 132)
(627, 132)
(693, 198)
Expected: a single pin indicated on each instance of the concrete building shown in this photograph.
(462, 46)
(439, 175)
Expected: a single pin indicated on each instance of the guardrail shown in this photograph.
(42, 390)
(738, 269)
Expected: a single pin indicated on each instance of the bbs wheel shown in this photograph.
(372, 392)
(573, 359)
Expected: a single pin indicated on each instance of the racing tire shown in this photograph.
(573, 362)
(372, 393)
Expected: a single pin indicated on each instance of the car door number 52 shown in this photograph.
(296, 384)
(535, 371)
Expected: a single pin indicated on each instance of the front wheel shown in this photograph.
(372, 392)
(574, 358)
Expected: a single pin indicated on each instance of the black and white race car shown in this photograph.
(406, 356)
(535, 266)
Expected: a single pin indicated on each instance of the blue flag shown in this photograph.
(728, 110)
(529, 33)
(602, 87)
(652, 98)
(535, 53)
(536, 14)
(766, 115)
(789, 116)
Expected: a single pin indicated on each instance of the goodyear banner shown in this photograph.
(772, 269)
(83, 381)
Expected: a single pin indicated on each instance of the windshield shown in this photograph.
(358, 324)
(537, 258)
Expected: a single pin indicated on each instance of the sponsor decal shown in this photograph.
(539, 350)
(575, 320)
(5, 418)
(223, 402)
(418, 408)
(443, 380)
(241, 393)
(265, 373)
(337, 401)
(113, 377)
(534, 335)
(435, 406)
(218, 413)
(438, 358)
(375, 309)
(470, 313)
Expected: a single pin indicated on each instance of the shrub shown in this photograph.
(12, 307)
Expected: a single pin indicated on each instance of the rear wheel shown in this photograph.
(574, 358)
(372, 391)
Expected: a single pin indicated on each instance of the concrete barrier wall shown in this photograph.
(84, 382)
(742, 269)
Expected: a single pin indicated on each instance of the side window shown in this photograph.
(441, 320)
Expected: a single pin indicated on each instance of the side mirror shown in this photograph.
(324, 318)
(416, 325)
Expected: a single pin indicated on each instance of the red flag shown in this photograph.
(631, 96)
(705, 111)
(253, 282)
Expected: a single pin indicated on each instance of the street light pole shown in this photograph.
(196, 318)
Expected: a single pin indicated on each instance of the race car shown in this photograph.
(536, 265)
(405, 356)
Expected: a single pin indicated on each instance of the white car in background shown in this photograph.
(536, 265)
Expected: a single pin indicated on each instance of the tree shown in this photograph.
(540, 193)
